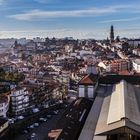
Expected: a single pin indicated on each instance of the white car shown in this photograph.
(31, 126)
(36, 124)
(33, 135)
(46, 106)
(11, 121)
(20, 117)
(43, 119)
(49, 116)
(35, 110)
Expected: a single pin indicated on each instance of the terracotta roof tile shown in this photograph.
(89, 79)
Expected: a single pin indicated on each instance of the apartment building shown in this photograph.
(19, 100)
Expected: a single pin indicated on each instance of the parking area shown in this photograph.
(40, 129)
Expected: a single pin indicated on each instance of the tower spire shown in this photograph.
(112, 34)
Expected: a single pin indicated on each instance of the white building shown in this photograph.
(136, 65)
(115, 65)
(87, 86)
(136, 51)
(4, 105)
(134, 42)
(91, 69)
(19, 100)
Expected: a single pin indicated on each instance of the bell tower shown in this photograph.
(111, 34)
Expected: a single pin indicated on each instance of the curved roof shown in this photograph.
(119, 109)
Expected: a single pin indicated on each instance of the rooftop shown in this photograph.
(116, 109)
(89, 79)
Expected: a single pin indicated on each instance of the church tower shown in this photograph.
(111, 34)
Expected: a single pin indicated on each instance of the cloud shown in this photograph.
(43, 1)
(121, 20)
(40, 14)
(37, 14)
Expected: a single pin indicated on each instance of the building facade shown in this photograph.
(115, 112)
(4, 105)
(19, 101)
(115, 65)
(136, 65)
(87, 86)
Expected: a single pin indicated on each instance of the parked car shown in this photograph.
(49, 116)
(31, 126)
(25, 131)
(54, 113)
(42, 119)
(45, 119)
(20, 117)
(33, 136)
(35, 110)
(36, 124)
(11, 121)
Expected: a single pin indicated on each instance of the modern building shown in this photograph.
(115, 113)
(19, 100)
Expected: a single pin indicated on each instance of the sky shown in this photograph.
(69, 18)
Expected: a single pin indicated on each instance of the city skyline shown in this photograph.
(61, 18)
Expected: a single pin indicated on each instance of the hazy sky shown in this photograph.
(76, 18)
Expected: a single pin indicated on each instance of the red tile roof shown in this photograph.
(89, 79)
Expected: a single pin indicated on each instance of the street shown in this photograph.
(42, 130)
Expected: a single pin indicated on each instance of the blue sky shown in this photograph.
(76, 18)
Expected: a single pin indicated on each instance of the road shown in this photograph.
(43, 128)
